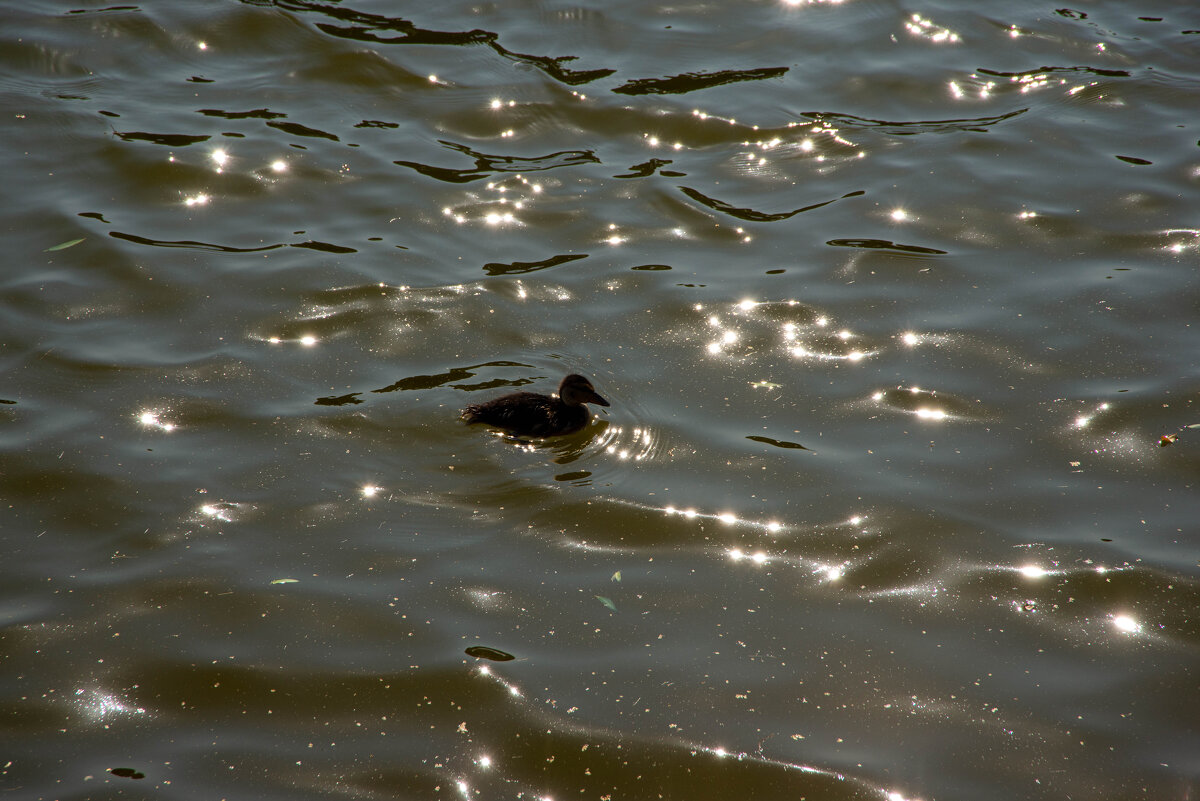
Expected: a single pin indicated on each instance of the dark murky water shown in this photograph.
(893, 306)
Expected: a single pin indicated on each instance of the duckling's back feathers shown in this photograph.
(530, 414)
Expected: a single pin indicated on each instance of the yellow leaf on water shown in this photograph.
(285, 581)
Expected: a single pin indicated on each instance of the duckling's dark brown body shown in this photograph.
(530, 414)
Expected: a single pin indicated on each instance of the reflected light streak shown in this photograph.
(800, 352)
(486, 671)
(1032, 572)
(1127, 624)
(370, 491)
(758, 557)
(728, 518)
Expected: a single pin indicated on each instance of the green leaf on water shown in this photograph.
(64, 245)
(607, 602)
(616, 576)
(285, 581)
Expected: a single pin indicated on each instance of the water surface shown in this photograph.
(894, 307)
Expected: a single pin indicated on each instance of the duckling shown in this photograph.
(530, 414)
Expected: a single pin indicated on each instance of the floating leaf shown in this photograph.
(1167, 439)
(778, 443)
(494, 654)
(64, 245)
(616, 576)
(285, 581)
(607, 602)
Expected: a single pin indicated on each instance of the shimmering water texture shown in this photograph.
(895, 310)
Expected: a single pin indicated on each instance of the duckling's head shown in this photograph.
(575, 390)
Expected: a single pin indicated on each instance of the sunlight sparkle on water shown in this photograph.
(308, 340)
(1032, 572)
(98, 705)
(494, 218)
(370, 491)
(220, 158)
(926, 29)
(150, 420)
(216, 512)
(1126, 623)
(899, 215)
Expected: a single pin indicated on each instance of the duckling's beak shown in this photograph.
(596, 399)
